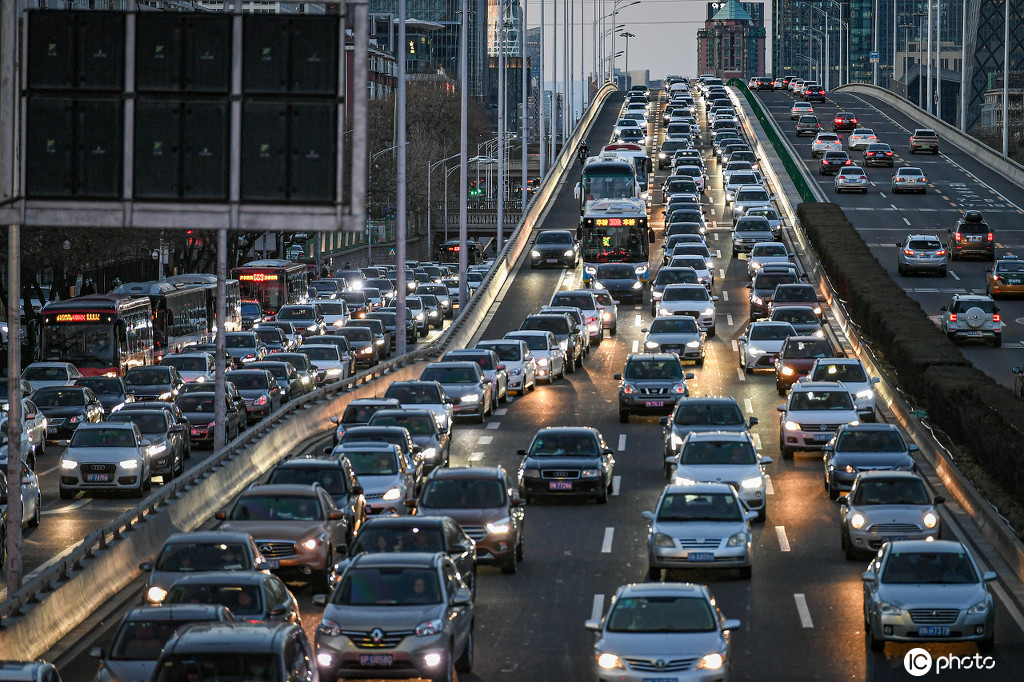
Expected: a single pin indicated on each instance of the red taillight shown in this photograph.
(995, 317)
(848, 162)
(853, 121)
(838, 120)
(908, 252)
(940, 252)
(990, 236)
(957, 237)
(952, 317)
(888, 153)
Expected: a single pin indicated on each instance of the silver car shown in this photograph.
(922, 253)
(722, 456)
(766, 253)
(520, 365)
(801, 318)
(854, 376)
(886, 506)
(750, 196)
(108, 457)
(698, 525)
(760, 345)
(851, 178)
(917, 591)
(548, 355)
(679, 335)
(428, 395)
(909, 179)
(388, 478)
(609, 311)
(658, 629)
(812, 414)
(699, 415)
(396, 615)
(492, 368)
(465, 381)
(969, 317)
(692, 300)
(748, 231)
(774, 219)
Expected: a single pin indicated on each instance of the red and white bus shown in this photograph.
(98, 334)
(273, 283)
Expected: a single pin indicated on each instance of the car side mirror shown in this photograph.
(335, 515)
(780, 408)
(989, 576)
(328, 450)
(319, 600)
(765, 459)
(875, 380)
(96, 652)
(688, 376)
(63, 443)
(670, 460)
(868, 576)
(221, 515)
(840, 353)
(752, 421)
(146, 566)
(663, 421)
(913, 448)
(939, 499)
(522, 452)
(731, 624)
(649, 515)
(518, 502)
(617, 377)
(750, 515)
(644, 330)
(594, 625)
(278, 610)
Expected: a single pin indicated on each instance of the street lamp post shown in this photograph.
(501, 126)
(400, 345)
(541, 122)
(369, 183)
(627, 35)
(615, 12)
(430, 205)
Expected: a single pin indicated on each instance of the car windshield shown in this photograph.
(189, 557)
(891, 491)
(799, 294)
(185, 363)
(269, 335)
(801, 350)
(142, 640)
(676, 276)
(449, 375)
(988, 306)
(699, 507)
(743, 179)
(388, 586)
(248, 382)
(689, 261)
(708, 414)
(871, 441)
(581, 301)
(653, 369)
(423, 394)
(535, 341)
(1010, 267)
(908, 172)
(674, 325)
(330, 479)
(147, 423)
(718, 452)
(563, 445)
(848, 372)
(146, 377)
(196, 403)
(322, 353)
(766, 250)
(59, 398)
(556, 324)
(372, 462)
(820, 400)
(240, 341)
(103, 438)
(356, 333)
(904, 568)
(243, 600)
(661, 614)
(482, 359)
(752, 195)
(506, 352)
(257, 507)
(384, 539)
(45, 374)
(297, 360)
(794, 315)
(418, 425)
(615, 272)
(752, 225)
(251, 308)
(359, 414)
(679, 186)
(303, 313)
(698, 293)
(770, 332)
(463, 493)
(101, 385)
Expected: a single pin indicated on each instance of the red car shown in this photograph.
(844, 120)
(797, 357)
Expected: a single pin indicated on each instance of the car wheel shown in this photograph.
(572, 365)
(66, 494)
(623, 417)
(464, 663)
(602, 495)
(615, 328)
(848, 550)
(877, 644)
(654, 574)
(137, 492)
(780, 389)
(711, 331)
(787, 452)
(481, 415)
(746, 572)
(700, 361)
(987, 644)
(997, 341)
(511, 564)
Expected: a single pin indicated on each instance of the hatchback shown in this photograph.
(886, 506)
(807, 125)
(922, 253)
(760, 345)
(386, 474)
(520, 365)
(825, 142)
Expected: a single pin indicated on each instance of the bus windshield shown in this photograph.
(615, 244)
(83, 345)
(608, 185)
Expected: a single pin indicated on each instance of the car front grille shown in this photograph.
(99, 468)
(653, 390)
(275, 549)
(478, 533)
(661, 665)
(374, 496)
(559, 473)
(934, 616)
(895, 528)
(819, 427)
(384, 640)
(700, 543)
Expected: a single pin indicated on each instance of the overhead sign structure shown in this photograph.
(874, 57)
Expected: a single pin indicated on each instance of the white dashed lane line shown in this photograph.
(622, 442)
(728, 319)
(735, 346)
(606, 546)
(769, 489)
(739, 372)
(636, 345)
(749, 405)
(780, 531)
(757, 440)
(638, 321)
(616, 484)
(954, 275)
(906, 221)
(501, 411)
(476, 456)
(725, 295)
(493, 425)
(484, 440)
(801, 608)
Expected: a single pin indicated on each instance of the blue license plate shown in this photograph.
(654, 403)
(551, 260)
(822, 437)
(701, 556)
(97, 478)
(973, 333)
(51, 429)
(660, 679)
(895, 538)
(933, 631)
(559, 485)
(376, 659)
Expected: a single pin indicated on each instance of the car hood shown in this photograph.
(768, 345)
(241, 352)
(383, 617)
(426, 441)
(802, 364)
(199, 418)
(472, 517)
(660, 644)
(557, 462)
(890, 513)
(654, 383)
(929, 595)
(768, 260)
(462, 389)
(250, 393)
(803, 329)
(552, 248)
(675, 338)
(618, 283)
(129, 671)
(872, 460)
(109, 400)
(700, 529)
(698, 306)
(70, 411)
(39, 383)
(191, 376)
(822, 416)
(100, 454)
(759, 235)
(149, 389)
(284, 530)
(381, 483)
(727, 473)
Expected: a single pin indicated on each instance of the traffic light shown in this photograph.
(476, 188)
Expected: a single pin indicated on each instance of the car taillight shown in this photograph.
(853, 121)
(848, 162)
(990, 236)
(940, 252)
(952, 317)
(995, 317)
(262, 400)
(888, 153)
(839, 120)
(908, 252)
(957, 237)
(862, 177)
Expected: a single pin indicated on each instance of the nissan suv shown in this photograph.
(651, 383)
(968, 317)
(972, 236)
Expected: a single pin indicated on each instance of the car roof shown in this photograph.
(222, 578)
(176, 612)
(403, 522)
(310, 463)
(922, 236)
(228, 637)
(92, 426)
(700, 488)
(934, 546)
(497, 473)
(659, 589)
(888, 474)
(207, 537)
(808, 386)
(280, 489)
(397, 559)
(653, 356)
(567, 430)
(374, 401)
(720, 435)
(869, 426)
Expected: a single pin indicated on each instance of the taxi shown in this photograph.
(1006, 277)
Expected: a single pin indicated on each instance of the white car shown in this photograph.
(33, 421)
(43, 374)
(766, 253)
(826, 142)
(198, 367)
(705, 273)
(771, 215)
(812, 414)
(854, 376)
(549, 356)
(851, 178)
(750, 196)
(800, 109)
(716, 457)
(692, 300)
(740, 179)
(861, 138)
(105, 457)
(761, 344)
(335, 313)
(331, 367)
(520, 365)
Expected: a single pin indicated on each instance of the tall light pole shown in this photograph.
(618, 6)
(524, 91)
(874, 45)
(928, 105)
(430, 205)
(400, 348)
(554, 79)
(1006, 77)
(963, 72)
(627, 35)
(463, 152)
(369, 172)
(501, 127)
(541, 122)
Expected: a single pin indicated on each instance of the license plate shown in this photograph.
(701, 556)
(973, 333)
(551, 260)
(660, 679)
(51, 429)
(197, 432)
(559, 485)
(1015, 280)
(894, 538)
(97, 478)
(822, 437)
(376, 659)
(933, 631)
(654, 403)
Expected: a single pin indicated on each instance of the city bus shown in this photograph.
(273, 283)
(179, 313)
(232, 299)
(637, 155)
(606, 177)
(615, 231)
(449, 252)
(100, 335)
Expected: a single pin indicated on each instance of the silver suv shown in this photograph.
(922, 253)
(968, 317)
(396, 615)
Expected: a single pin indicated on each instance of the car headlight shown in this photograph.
(857, 521)
(310, 543)
(791, 426)
(471, 398)
(750, 483)
(568, 253)
(392, 494)
(200, 379)
(338, 323)
(866, 394)
(419, 316)
(589, 473)
(786, 371)
(428, 453)
(817, 310)
(499, 527)
(664, 311)
(609, 662)
(68, 464)
(328, 628)
(756, 300)
(662, 540)
(713, 661)
(531, 473)
(887, 609)
(157, 449)
(76, 418)
(334, 371)
(638, 285)
(312, 327)
(156, 594)
(432, 313)
(979, 609)
(598, 285)
(129, 464)
(535, 254)
(429, 627)
(166, 395)
(657, 294)
(738, 539)
(542, 362)
(930, 520)
(652, 345)
(708, 311)
(515, 371)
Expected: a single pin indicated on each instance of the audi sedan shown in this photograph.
(886, 506)
(862, 138)
(878, 154)
(909, 179)
(567, 461)
(851, 179)
(918, 591)
(864, 447)
(832, 162)
(659, 629)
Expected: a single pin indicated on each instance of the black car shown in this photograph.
(343, 344)
(565, 329)
(565, 461)
(878, 154)
(364, 348)
(288, 379)
(110, 390)
(198, 408)
(831, 162)
(259, 388)
(273, 338)
(556, 248)
(844, 120)
(66, 407)
(160, 382)
(383, 339)
(244, 347)
(252, 314)
(302, 365)
(395, 435)
(336, 477)
(166, 440)
(972, 236)
(254, 597)
(176, 414)
(620, 280)
(431, 534)
(864, 447)
(389, 318)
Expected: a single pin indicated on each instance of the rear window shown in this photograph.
(505, 351)
(582, 301)
(547, 323)
(925, 244)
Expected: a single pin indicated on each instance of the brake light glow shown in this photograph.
(995, 317)
(957, 237)
(888, 153)
(909, 252)
(952, 317)
(990, 236)
(940, 252)
(839, 120)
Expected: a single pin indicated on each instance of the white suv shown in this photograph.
(826, 142)
(969, 317)
(692, 300)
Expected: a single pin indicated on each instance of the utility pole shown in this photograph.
(400, 344)
(524, 93)
(541, 120)
(627, 35)
(463, 153)
(501, 128)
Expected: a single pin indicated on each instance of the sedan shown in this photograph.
(811, 416)
(111, 391)
(288, 379)
(765, 253)
(878, 154)
(927, 591)
(433, 446)
(862, 138)
(679, 335)
(167, 440)
(198, 407)
(801, 318)
(852, 373)
(620, 280)
(662, 628)
(44, 374)
(548, 355)
(252, 597)
(864, 447)
(465, 381)
(729, 457)
(328, 361)
(260, 391)
(153, 383)
(191, 366)
(851, 178)
(807, 125)
(844, 120)
(699, 525)
(825, 142)
(748, 231)
(386, 474)
(886, 506)
(520, 365)
(831, 162)
(567, 461)
(909, 179)
(800, 109)
(692, 300)
(65, 408)
(493, 370)
(760, 345)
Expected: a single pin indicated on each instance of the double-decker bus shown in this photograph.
(273, 283)
(179, 313)
(606, 177)
(232, 299)
(615, 231)
(100, 335)
(637, 155)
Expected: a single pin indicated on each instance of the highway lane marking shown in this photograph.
(622, 442)
(476, 456)
(721, 273)
(69, 508)
(616, 484)
(954, 275)
(606, 546)
(715, 235)
(757, 440)
(637, 321)
(783, 540)
(501, 412)
(769, 489)
(805, 613)
(882, 194)
(728, 319)
(739, 372)
(735, 346)
(493, 425)
(906, 221)
(598, 608)
(725, 295)
(718, 253)
(894, 207)
(484, 440)
(747, 403)
(636, 345)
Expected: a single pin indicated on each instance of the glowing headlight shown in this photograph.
(680, 480)
(433, 659)
(166, 395)
(310, 544)
(652, 345)
(791, 426)
(589, 473)
(677, 442)
(850, 469)
(542, 362)
(312, 328)
(609, 661)
(338, 323)
(129, 464)
(657, 294)
(866, 394)
(693, 344)
(787, 371)
(711, 662)
(429, 627)
(200, 379)
(156, 594)
(664, 311)
(156, 449)
(857, 521)
(535, 254)
(749, 483)
(930, 520)
(568, 253)
(334, 371)
(68, 464)
(471, 398)
(638, 285)
(708, 311)
(392, 494)
(503, 526)
(756, 300)
(428, 453)
(817, 310)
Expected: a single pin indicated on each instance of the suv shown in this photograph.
(812, 414)
(972, 236)
(844, 120)
(717, 456)
(807, 125)
(921, 253)
(968, 317)
(278, 651)
(924, 140)
(814, 92)
(396, 615)
(651, 383)
(485, 502)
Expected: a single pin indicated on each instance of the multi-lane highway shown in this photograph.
(801, 611)
(957, 182)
